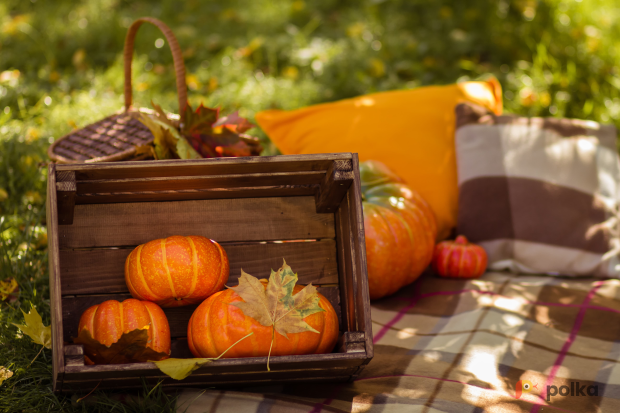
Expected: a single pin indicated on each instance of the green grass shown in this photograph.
(60, 67)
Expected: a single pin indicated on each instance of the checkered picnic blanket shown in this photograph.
(501, 343)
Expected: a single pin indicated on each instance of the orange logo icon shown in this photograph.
(523, 386)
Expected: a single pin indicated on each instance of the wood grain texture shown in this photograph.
(200, 182)
(196, 194)
(178, 317)
(224, 367)
(224, 220)
(65, 194)
(358, 240)
(334, 186)
(102, 271)
(345, 264)
(58, 357)
(198, 167)
(298, 376)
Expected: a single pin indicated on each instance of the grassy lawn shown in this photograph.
(61, 68)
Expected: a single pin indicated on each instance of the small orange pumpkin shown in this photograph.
(176, 271)
(106, 322)
(459, 259)
(216, 325)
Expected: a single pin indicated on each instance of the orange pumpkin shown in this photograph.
(216, 325)
(176, 271)
(459, 259)
(107, 321)
(400, 230)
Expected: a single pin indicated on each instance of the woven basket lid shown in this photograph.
(119, 136)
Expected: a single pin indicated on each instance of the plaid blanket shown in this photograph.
(501, 343)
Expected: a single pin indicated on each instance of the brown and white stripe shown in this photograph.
(540, 195)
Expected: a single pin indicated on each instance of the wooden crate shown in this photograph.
(97, 213)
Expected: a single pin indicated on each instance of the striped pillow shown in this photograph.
(539, 194)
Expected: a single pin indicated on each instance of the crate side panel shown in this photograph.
(101, 271)
(346, 264)
(224, 220)
(178, 317)
(358, 247)
(58, 361)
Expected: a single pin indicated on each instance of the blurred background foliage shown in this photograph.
(61, 68)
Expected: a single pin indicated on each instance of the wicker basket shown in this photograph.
(118, 137)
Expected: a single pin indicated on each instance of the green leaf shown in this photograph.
(35, 329)
(179, 369)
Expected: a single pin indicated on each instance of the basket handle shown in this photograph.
(177, 57)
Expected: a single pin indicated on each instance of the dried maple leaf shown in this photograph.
(200, 121)
(276, 306)
(131, 347)
(35, 329)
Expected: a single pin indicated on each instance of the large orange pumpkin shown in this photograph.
(176, 271)
(400, 230)
(216, 325)
(107, 321)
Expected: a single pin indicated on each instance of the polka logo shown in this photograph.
(524, 386)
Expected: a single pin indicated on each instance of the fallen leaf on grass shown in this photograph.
(5, 374)
(35, 329)
(9, 289)
(130, 348)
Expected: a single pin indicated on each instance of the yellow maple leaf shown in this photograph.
(35, 329)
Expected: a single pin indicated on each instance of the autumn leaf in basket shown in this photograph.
(199, 134)
(168, 143)
(213, 136)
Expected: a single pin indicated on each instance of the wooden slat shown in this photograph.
(194, 194)
(58, 357)
(178, 317)
(224, 220)
(223, 366)
(199, 381)
(345, 265)
(256, 164)
(358, 241)
(200, 182)
(102, 271)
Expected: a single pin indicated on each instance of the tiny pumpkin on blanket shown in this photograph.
(459, 259)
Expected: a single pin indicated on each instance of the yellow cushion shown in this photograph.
(411, 131)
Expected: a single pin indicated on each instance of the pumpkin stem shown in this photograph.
(461, 239)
